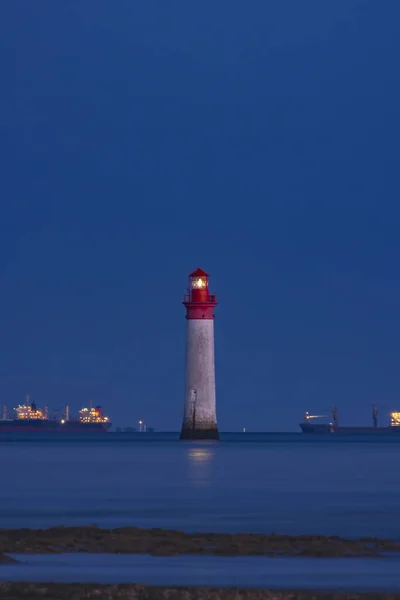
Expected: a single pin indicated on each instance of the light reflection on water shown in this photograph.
(200, 459)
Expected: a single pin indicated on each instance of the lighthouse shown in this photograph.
(199, 417)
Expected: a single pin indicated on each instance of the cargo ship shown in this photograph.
(28, 418)
(332, 426)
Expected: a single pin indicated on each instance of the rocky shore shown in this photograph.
(4, 559)
(75, 591)
(164, 542)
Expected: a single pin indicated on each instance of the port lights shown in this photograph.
(395, 419)
(92, 415)
(25, 411)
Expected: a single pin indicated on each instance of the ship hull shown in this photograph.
(49, 426)
(322, 428)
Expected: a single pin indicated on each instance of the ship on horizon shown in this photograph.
(332, 426)
(28, 418)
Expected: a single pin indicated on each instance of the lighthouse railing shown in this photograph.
(188, 298)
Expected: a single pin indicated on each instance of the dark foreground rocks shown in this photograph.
(75, 591)
(4, 559)
(164, 542)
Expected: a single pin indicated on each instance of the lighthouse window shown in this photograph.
(199, 284)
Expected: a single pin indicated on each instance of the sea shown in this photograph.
(287, 483)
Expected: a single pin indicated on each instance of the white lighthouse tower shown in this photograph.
(199, 418)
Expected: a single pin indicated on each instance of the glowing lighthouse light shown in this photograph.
(199, 417)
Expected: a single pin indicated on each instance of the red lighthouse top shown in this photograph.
(199, 273)
(198, 301)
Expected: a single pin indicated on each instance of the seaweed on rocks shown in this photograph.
(4, 559)
(164, 542)
(81, 591)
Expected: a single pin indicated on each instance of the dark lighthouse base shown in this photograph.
(199, 434)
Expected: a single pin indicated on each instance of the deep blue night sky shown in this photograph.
(257, 140)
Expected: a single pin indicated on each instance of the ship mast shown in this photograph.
(335, 416)
(375, 415)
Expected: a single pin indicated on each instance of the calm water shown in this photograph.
(336, 573)
(287, 483)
